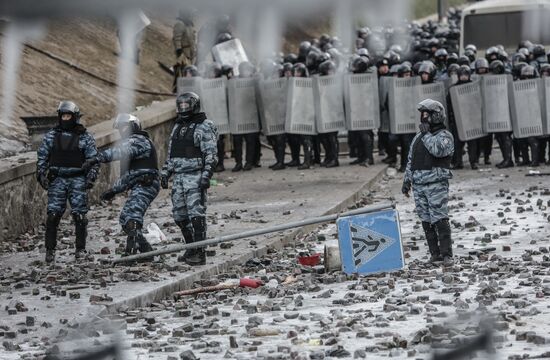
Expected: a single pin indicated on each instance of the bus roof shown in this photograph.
(492, 6)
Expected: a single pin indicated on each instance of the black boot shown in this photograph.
(334, 150)
(431, 238)
(279, 150)
(133, 229)
(187, 231)
(81, 232)
(444, 235)
(52, 222)
(307, 155)
(506, 146)
(199, 256)
(238, 167)
(219, 167)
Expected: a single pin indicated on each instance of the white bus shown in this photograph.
(505, 22)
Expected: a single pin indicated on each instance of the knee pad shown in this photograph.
(132, 228)
(53, 219)
(80, 219)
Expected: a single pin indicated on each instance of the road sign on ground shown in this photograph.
(370, 243)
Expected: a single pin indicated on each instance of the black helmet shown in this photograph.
(435, 110)
(393, 57)
(300, 70)
(525, 52)
(327, 67)
(453, 69)
(246, 69)
(362, 52)
(463, 60)
(464, 70)
(360, 65)
(287, 68)
(404, 69)
(303, 50)
(68, 107)
(524, 44)
(393, 69)
(427, 67)
(471, 47)
(538, 51)
(518, 58)
(191, 70)
(545, 70)
(480, 64)
(312, 59)
(223, 37)
(516, 69)
(452, 58)
(324, 39)
(291, 58)
(528, 72)
(470, 55)
(214, 70)
(124, 120)
(441, 53)
(492, 53)
(227, 70)
(497, 67)
(188, 104)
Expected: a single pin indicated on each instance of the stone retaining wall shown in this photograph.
(23, 201)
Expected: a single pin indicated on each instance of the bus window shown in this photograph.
(506, 28)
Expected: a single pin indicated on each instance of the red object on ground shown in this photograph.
(311, 260)
(251, 283)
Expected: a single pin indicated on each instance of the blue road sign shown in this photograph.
(370, 243)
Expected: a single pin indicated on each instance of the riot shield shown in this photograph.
(545, 104)
(300, 111)
(329, 103)
(361, 101)
(214, 103)
(230, 53)
(467, 108)
(383, 89)
(272, 105)
(525, 108)
(189, 84)
(243, 110)
(496, 107)
(435, 91)
(402, 103)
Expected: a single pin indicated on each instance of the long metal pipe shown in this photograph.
(256, 232)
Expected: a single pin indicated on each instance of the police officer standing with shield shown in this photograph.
(139, 176)
(428, 173)
(192, 158)
(60, 157)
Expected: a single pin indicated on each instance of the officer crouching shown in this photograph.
(428, 173)
(139, 176)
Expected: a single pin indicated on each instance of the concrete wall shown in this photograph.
(23, 201)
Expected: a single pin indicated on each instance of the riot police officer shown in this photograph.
(463, 74)
(139, 176)
(60, 157)
(428, 173)
(192, 157)
(329, 140)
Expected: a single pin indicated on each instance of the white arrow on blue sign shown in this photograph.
(370, 243)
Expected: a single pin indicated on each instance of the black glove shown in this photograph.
(424, 127)
(406, 188)
(205, 183)
(89, 163)
(164, 181)
(108, 195)
(179, 52)
(43, 180)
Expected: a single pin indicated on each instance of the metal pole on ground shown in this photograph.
(256, 232)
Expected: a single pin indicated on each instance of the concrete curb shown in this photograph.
(274, 242)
